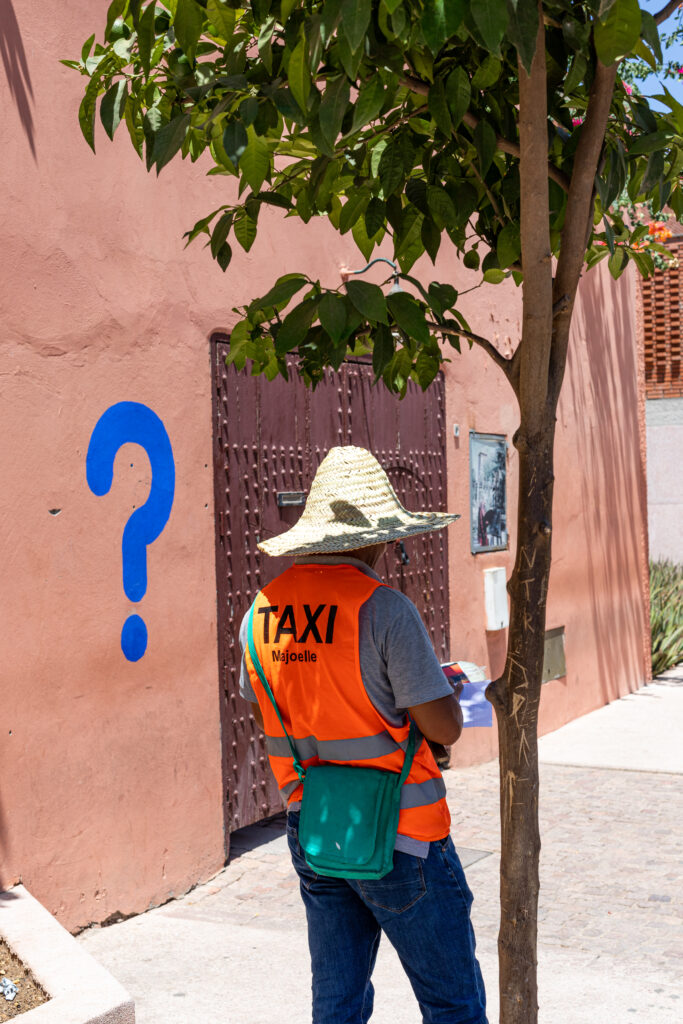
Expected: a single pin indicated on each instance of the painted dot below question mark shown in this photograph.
(134, 638)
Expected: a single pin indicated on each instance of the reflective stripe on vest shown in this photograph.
(306, 635)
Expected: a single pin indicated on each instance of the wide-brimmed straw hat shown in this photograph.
(351, 505)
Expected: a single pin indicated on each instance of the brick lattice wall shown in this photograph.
(662, 303)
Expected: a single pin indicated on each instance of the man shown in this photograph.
(348, 659)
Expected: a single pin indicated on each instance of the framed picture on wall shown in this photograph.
(488, 504)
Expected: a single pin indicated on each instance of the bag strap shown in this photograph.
(298, 767)
(410, 753)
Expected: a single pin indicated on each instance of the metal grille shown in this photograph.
(662, 300)
(270, 437)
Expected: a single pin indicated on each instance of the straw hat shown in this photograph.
(351, 505)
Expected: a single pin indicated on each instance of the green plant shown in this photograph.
(666, 614)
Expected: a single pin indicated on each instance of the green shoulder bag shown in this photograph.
(349, 815)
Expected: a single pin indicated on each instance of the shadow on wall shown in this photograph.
(16, 69)
(608, 466)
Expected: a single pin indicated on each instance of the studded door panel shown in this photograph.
(269, 438)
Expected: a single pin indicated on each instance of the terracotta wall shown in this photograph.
(598, 578)
(111, 791)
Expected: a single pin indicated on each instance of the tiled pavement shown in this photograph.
(610, 928)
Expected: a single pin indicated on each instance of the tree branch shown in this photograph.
(537, 290)
(666, 11)
(471, 120)
(578, 216)
(499, 359)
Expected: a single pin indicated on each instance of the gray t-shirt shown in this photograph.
(397, 661)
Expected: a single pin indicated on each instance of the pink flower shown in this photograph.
(628, 88)
(679, 71)
(577, 120)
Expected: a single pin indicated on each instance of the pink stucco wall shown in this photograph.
(111, 796)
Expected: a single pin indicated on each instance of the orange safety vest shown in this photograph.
(306, 636)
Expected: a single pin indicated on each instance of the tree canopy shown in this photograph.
(397, 120)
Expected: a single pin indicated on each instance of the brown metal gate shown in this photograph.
(270, 437)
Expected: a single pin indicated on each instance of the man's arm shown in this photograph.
(439, 720)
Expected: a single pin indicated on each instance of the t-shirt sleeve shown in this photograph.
(403, 666)
(246, 689)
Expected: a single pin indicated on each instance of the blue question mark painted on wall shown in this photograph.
(123, 423)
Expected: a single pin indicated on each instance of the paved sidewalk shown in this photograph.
(611, 911)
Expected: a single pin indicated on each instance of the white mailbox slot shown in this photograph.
(496, 599)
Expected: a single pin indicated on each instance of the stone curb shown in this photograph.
(81, 990)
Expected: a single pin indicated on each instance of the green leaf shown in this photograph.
(86, 111)
(368, 103)
(113, 105)
(390, 169)
(650, 33)
(368, 299)
(187, 24)
(577, 70)
(508, 245)
(222, 18)
(619, 31)
(280, 294)
(355, 19)
(491, 18)
(295, 326)
(523, 29)
(617, 262)
(440, 206)
(438, 107)
(298, 75)
(374, 216)
(442, 297)
(220, 232)
(430, 238)
(87, 47)
(471, 259)
(146, 36)
(115, 10)
(408, 244)
(441, 19)
(235, 141)
(332, 315)
(409, 316)
(223, 256)
(458, 94)
(648, 143)
(239, 336)
(360, 236)
(653, 172)
(494, 275)
(383, 346)
(354, 206)
(169, 139)
(644, 53)
(286, 8)
(255, 160)
(485, 144)
(333, 107)
(350, 59)
(487, 73)
(245, 232)
(426, 367)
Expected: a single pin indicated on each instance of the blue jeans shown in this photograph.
(422, 906)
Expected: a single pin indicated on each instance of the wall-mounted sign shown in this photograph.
(488, 506)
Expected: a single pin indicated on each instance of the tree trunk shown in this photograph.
(516, 698)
